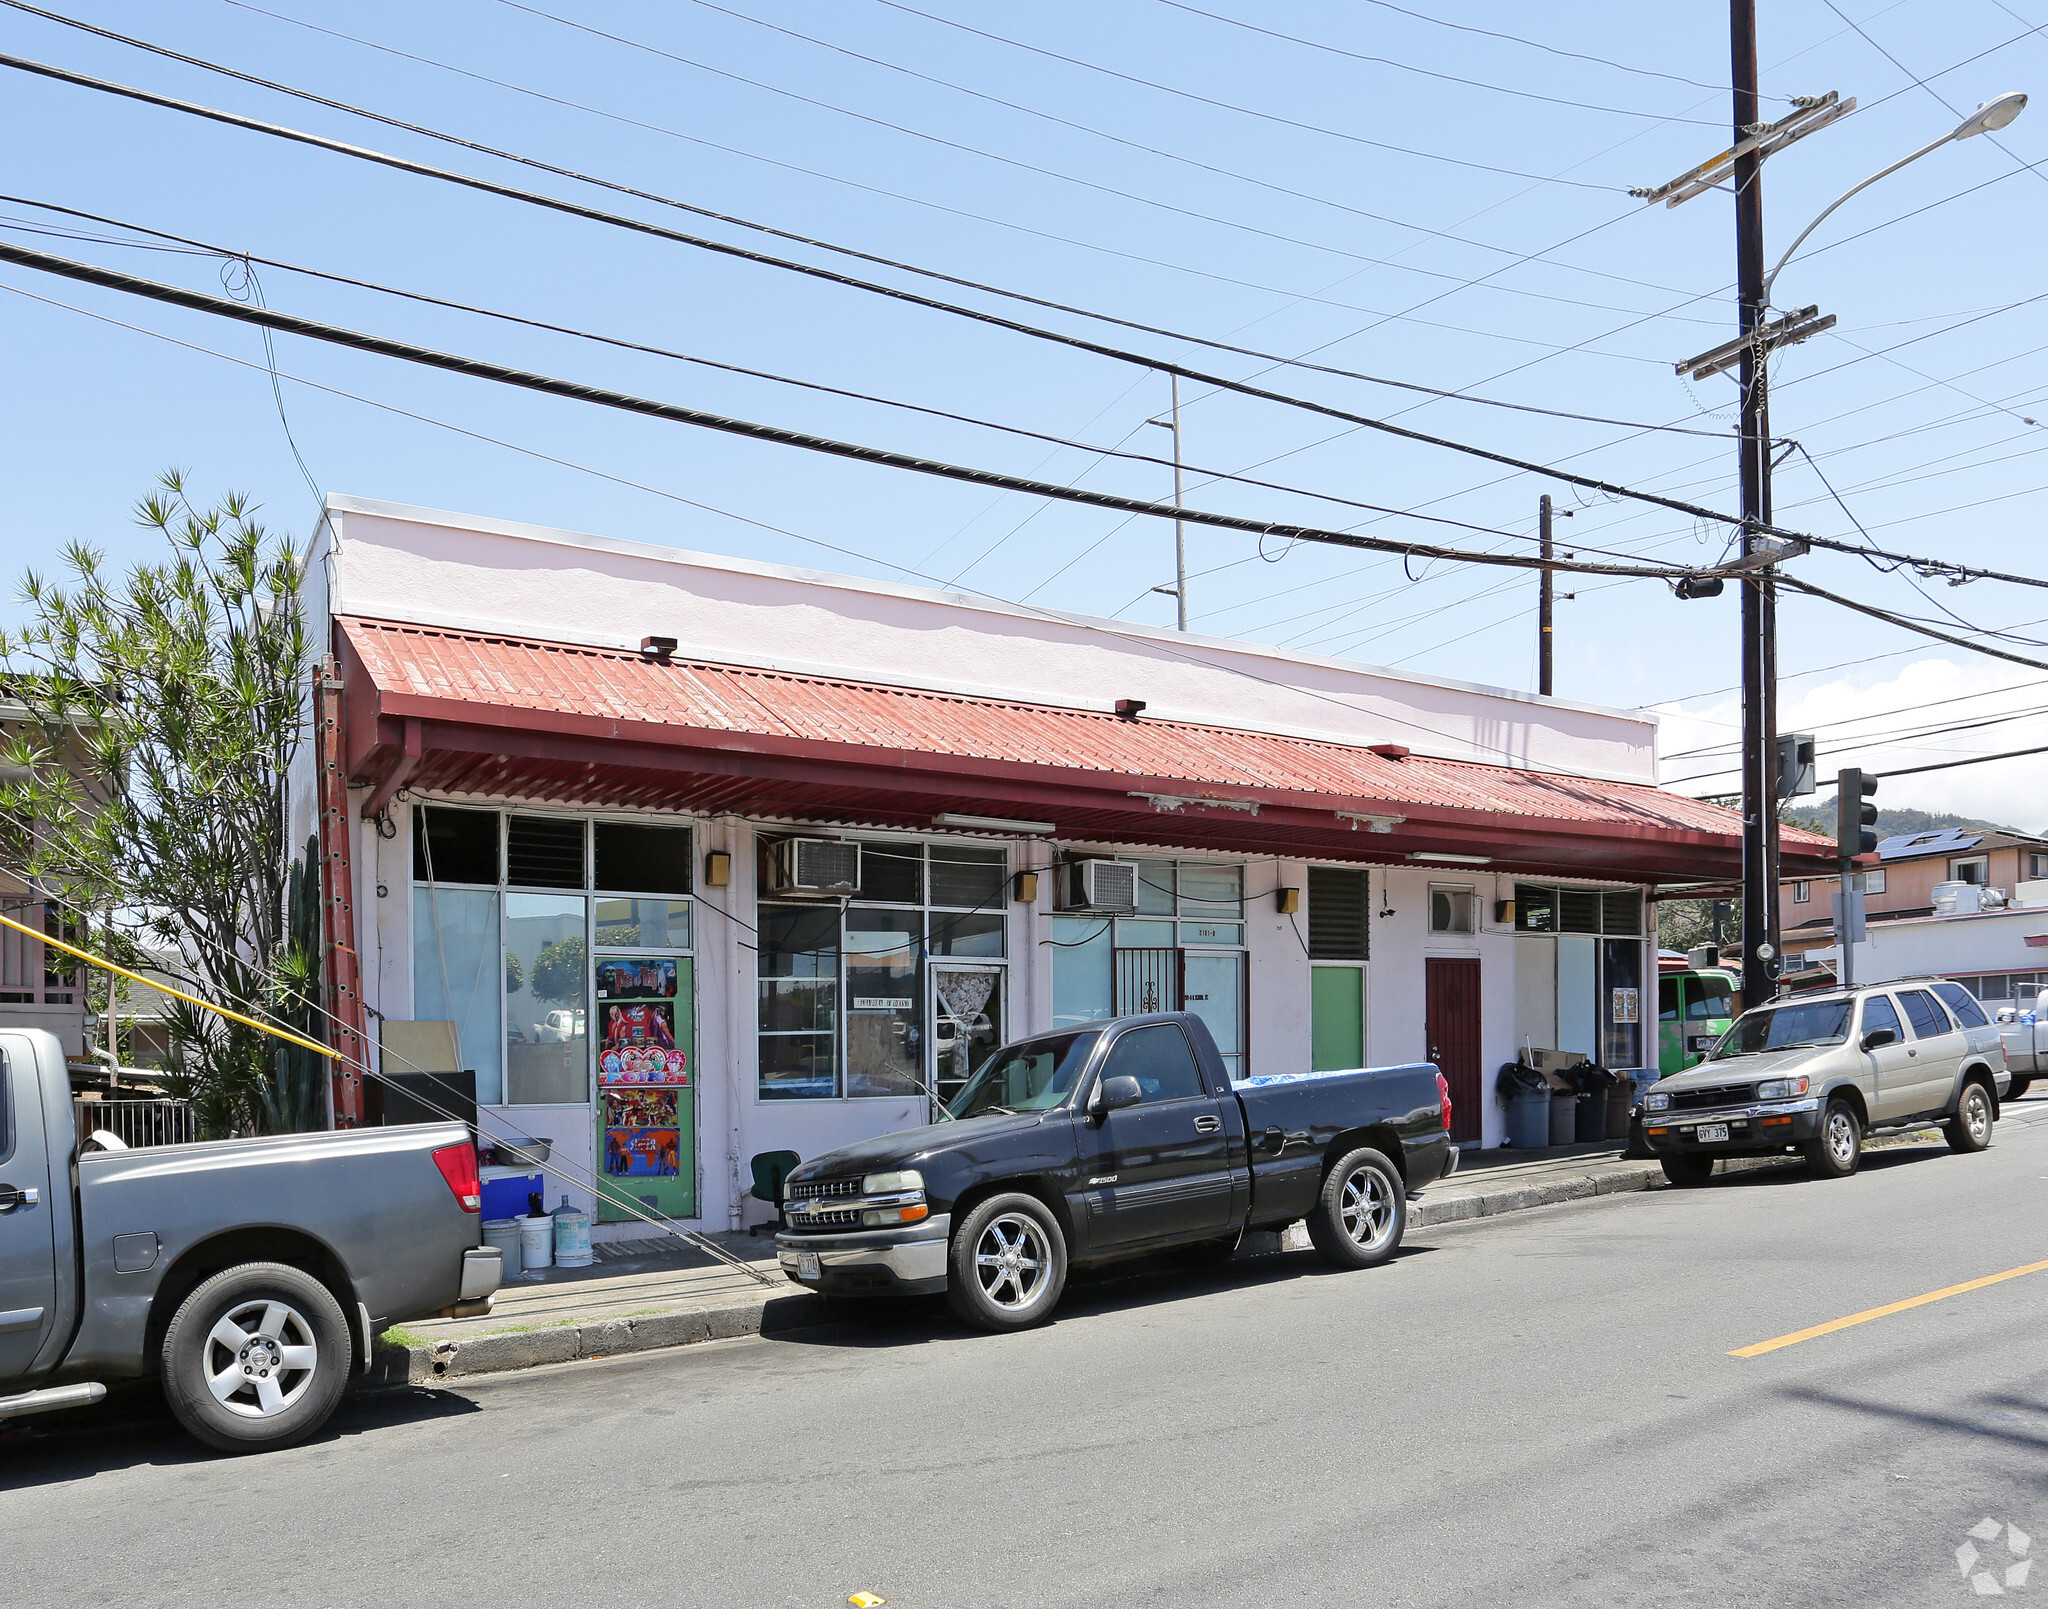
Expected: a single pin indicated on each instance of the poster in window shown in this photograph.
(640, 1107)
(636, 977)
(1627, 1005)
(639, 1044)
(643, 1153)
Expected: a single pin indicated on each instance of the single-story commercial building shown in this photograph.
(704, 858)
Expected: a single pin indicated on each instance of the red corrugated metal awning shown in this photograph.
(468, 713)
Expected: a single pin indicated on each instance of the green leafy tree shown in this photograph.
(166, 709)
(559, 970)
(515, 974)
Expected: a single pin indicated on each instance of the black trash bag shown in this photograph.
(1514, 1078)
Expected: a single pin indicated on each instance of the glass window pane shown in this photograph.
(454, 846)
(1968, 1012)
(969, 879)
(547, 1000)
(1535, 908)
(1209, 890)
(797, 1067)
(1211, 933)
(1927, 1017)
(967, 935)
(799, 941)
(544, 852)
(1155, 887)
(1621, 1003)
(884, 971)
(892, 873)
(1159, 1059)
(1878, 1013)
(1144, 935)
(647, 860)
(457, 977)
(1083, 972)
(967, 1024)
(644, 924)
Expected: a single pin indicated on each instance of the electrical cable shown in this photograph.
(1514, 758)
(1553, 50)
(1907, 624)
(1221, 105)
(1449, 78)
(154, 290)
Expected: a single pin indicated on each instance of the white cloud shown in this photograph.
(1852, 717)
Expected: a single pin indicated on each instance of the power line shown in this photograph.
(1552, 50)
(1512, 757)
(1449, 78)
(576, 209)
(476, 368)
(1222, 105)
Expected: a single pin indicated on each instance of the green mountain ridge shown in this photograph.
(1892, 823)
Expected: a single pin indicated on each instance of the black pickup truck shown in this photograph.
(1117, 1139)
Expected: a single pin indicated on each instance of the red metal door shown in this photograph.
(1452, 1023)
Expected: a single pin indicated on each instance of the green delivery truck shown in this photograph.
(1694, 1009)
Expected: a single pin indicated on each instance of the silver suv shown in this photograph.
(1815, 1073)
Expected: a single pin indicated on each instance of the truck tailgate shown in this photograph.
(1292, 1120)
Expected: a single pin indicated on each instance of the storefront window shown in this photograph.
(1083, 977)
(884, 977)
(547, 1000)
(848, 1000)
(652, 924)
(798, 970)
(459, 974)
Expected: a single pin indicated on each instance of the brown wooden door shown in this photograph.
(1452, 1023)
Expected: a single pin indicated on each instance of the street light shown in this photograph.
(1993, 114)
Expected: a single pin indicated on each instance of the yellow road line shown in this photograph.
(1886, 1311)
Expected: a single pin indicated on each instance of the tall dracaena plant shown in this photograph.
(165, 708)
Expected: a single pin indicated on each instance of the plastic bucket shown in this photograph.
(504, 1234)
(1590, 1119)
(1562, 1104)
(1529, 1119)
(572, 1238)
(536, 1241)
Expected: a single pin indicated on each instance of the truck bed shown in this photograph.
(1294, 1119)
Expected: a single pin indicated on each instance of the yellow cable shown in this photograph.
(164, 988)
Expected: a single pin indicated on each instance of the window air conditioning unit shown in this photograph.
(1110, 886)
(814, 866)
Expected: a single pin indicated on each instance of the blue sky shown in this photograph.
(1494, 251)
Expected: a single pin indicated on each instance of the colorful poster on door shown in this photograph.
(639, 1108)
(638, 1044)
(636, 977)
(642, 1153)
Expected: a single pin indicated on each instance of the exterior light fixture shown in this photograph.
(1129, 709)
(657, 648)
(990, 823)
(1287, 900)
(1993, 114)
(1451, 860)
(717, 869)
(1027, 888)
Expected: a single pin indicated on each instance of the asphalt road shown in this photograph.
(1540, 1410)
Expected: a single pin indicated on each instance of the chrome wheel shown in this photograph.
(260, 1358)
(1840, 1135)
(1977, 1115)
(1366, 1207)
(1011, 1259)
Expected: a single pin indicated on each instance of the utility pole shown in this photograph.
(1760, 961)
(1543, 601)
(1179, 590)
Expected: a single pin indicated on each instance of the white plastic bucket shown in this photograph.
(504, 1234)
(572, 1237)
(536, 1241)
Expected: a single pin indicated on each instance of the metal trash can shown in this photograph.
(1529, 1118)
(1563, 1105)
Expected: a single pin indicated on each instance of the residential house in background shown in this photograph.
(40, 987)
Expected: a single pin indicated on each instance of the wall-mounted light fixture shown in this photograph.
(1287, 900)
(1129, 709)
(717, 869)
(951, 818)
(658, 648)
(1027, 888)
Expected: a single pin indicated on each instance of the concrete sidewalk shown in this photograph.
(641, 1295)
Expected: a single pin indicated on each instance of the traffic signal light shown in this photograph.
(1855, 815)
(1698, 586)
(1795, 764)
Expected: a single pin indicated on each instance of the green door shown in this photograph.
(1336, 1018)
(646, 1023)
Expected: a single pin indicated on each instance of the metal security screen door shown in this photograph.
(1452, 1018)
(1147, 981)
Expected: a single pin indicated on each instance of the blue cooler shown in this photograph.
(506, 1190)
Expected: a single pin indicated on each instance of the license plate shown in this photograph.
(807, 1261)
(1711, 1131)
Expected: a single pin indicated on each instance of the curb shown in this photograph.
(441, 1361)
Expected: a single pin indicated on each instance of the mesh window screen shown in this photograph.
(1338, 914)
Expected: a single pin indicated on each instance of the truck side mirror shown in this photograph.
(1880, 1036)
(1113, 1095)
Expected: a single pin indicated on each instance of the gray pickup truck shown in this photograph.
(247, 1274)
